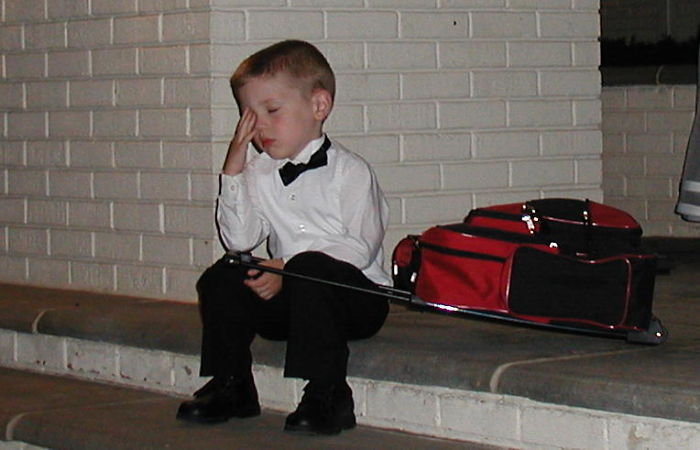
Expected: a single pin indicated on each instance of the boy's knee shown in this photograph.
(220, 274)
(309, 263)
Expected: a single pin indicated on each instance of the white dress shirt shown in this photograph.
(338, 209)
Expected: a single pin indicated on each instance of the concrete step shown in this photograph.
(426, 373)
(64, 413)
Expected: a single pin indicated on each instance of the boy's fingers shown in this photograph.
(247, 122)
(257, 280)
(252, 283)
(260, 287)
(263, 283)
(241, 142)
(263, 290)
(254, 274)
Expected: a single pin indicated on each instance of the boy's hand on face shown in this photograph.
(265, 284)
(245, 131)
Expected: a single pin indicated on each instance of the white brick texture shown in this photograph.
(115, 116)
(645, 132)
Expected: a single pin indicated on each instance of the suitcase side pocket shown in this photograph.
(564, 288)
(465, 277)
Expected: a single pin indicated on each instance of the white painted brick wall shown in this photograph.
(115, 115)
(645, 132)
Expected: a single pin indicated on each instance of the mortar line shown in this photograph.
(500, 370)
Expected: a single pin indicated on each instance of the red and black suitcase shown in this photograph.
(562, 263)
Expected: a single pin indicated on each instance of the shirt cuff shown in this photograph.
(232, 186)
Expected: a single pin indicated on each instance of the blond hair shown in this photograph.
(298, 59)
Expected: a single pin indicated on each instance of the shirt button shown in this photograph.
(302, 227)
(293, 197)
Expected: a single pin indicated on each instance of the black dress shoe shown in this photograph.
(327, 410)
(221, 399)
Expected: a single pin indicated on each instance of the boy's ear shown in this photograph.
(322, 103)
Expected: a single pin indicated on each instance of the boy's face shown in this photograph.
(287, 117)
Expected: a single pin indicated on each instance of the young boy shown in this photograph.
(323, 214)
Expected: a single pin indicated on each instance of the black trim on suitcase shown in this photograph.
(479, 212)
(568, 222)
(496, 234)
(461, 253)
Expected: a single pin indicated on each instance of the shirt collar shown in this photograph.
(305, 154)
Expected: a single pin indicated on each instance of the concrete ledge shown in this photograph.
(434, 374)
(468, 416)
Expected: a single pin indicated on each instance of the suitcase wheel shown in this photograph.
(656, 334)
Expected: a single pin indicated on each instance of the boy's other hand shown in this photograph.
(245, 131)
(265, 284)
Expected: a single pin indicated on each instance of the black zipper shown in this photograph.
(496, 234)
(461, 253)
(495, 215)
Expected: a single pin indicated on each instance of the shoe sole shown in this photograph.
(348, 424)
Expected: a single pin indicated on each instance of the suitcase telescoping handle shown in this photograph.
(577, 211)
(573, 211)
(655, 335)
(245, 259)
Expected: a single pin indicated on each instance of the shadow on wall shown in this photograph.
(667, 61)
(624, 52)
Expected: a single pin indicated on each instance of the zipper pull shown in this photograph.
(530, 222)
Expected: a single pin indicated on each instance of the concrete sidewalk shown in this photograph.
(427, 373)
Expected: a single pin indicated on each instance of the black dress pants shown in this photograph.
(315, 319)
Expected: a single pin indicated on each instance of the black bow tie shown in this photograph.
(289, 172)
